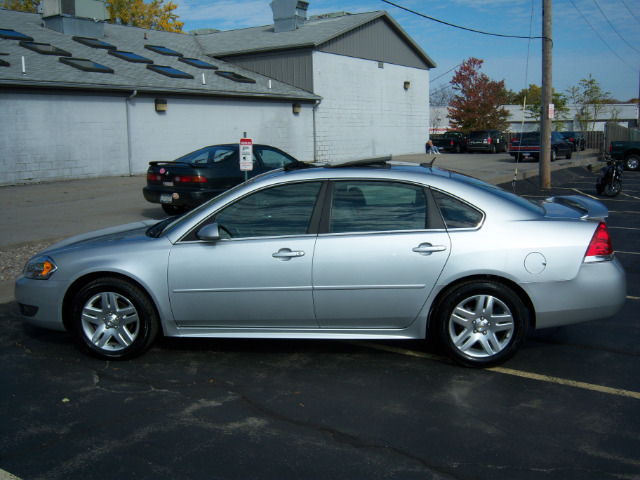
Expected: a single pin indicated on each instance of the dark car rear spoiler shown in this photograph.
(173, 164)
(590, 209)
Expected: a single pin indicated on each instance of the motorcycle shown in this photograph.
(609, 182)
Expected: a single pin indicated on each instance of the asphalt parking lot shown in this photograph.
(566, 406)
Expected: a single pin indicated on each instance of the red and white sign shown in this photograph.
(552, 110)
(246, 154)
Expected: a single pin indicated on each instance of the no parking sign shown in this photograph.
(246, 154)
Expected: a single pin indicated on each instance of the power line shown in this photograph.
(431, 81)
(456, 26)
(614, 28)
(599, 36)
(632, 14)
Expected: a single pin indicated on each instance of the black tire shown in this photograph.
(481, 323)
(492, 149)
(632, 162)
(612, 190)
(173, 209)
(456, 149)
(569, 154)
(113, 319)
(554, 155)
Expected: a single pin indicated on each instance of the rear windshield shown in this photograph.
(478, 135)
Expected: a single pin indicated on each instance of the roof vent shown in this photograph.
(288, 15)
(75, 17)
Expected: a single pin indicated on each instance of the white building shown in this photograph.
(84, 98)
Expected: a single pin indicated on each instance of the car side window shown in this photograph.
(456, 213)
(369, 206)
(273, 158)
(276, 211)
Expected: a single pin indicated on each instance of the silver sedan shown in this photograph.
(357, 251)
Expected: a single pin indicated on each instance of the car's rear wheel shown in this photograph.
(113, 319)
(569, 154)
(632, 162)
(481, 323)
(554, 155)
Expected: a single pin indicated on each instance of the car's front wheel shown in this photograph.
(113, 319)
(481, 323)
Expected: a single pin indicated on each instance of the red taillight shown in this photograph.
(600, 245)
(451, 143)
(610, 148)
(190, 179)
(154, 177)
(489, 141)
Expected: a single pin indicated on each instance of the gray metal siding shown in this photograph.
(293, 67)
(375, 41)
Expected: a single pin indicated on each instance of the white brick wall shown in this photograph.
(52, 137)
(365, 111)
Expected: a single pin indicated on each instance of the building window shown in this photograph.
(235, 77)
(45, 49)
(94, 43)
(9, 34)
(85, 65)
(194, 62)
(130, 56)
(163, 50)
(169, 71)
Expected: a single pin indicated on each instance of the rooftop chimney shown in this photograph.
(75, 17)
(288, 15)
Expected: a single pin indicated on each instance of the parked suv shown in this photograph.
(491, 141)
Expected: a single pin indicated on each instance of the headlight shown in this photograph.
(40, 268)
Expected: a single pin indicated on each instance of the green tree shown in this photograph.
(155, 15)
(590, 99)
(478, 102)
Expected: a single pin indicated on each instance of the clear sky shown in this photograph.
(600, 38)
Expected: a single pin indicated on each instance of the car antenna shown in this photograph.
(430, 164)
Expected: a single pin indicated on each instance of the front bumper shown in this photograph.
(40, 302)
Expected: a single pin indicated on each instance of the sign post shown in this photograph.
(246, 156)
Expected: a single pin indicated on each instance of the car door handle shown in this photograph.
(287, 254)
(428, 249)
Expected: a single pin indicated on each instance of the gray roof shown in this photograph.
(312, 34)
(47, 70)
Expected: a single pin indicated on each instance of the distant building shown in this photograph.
(625, 115)
(83, 98)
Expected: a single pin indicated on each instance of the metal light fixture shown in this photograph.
(161, 105)
(407, 85)
(296, 108)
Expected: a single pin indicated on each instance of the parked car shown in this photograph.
(527, 144)
(491, 141)
(452, 141)
(629, 152)
(376, 251)
(576, 139)
(194, 178)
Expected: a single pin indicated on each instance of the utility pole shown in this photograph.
(547, 97)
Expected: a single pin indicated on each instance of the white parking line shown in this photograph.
(509, 371)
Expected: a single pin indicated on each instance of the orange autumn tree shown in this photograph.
(478, 101)
(154, 15)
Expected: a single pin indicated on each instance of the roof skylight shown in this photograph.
(163, 50)
(130, 56)
(236, 77)
(94, 43)
(169, 71)
(45, 49)
(194, 62)
(85, 65)
(9, 34)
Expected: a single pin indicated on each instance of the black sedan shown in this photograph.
(193, 179)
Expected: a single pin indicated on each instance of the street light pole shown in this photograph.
(547, 97)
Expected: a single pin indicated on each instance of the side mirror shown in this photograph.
(209, 233)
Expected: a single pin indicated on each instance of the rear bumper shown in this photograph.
(598, 291)
(181, 198)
